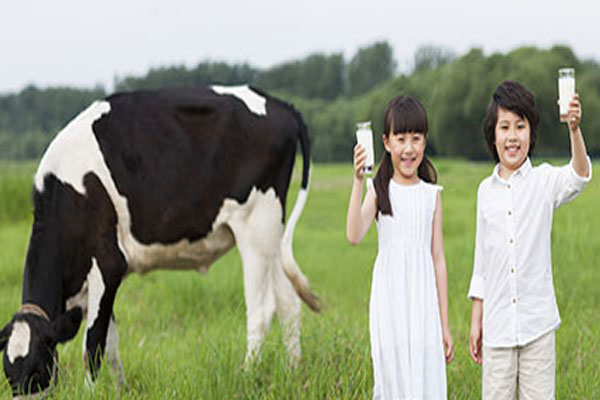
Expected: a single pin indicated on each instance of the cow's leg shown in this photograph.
(103, 283)
(288, 311)
(259, 296)
(258, 229)
(82, 300)
(112, 351)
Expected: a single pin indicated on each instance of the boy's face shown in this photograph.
(512, 139)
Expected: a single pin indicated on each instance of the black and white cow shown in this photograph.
(158, 179)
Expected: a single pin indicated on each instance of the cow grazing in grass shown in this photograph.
(166, 179)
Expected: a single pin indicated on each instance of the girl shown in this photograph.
(408, 310)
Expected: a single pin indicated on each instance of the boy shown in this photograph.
(511, 286)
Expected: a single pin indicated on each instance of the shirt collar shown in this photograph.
(522, 171)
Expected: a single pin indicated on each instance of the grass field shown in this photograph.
(182, 334)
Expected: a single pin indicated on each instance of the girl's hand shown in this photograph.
(475, 342)
(574, 113)
(448, 346)
(360, 157)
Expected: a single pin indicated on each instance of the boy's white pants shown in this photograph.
(529, 368)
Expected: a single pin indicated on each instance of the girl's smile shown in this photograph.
(408, 161)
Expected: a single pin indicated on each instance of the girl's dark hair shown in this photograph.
(511, 96)
(403, 114)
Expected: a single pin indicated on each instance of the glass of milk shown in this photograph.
(566, 90)
(364, 137)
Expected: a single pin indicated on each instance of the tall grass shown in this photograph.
(183, 334)
(15, 190)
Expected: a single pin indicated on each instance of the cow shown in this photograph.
(158, 179)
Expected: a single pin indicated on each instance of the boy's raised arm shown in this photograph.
(578, 150)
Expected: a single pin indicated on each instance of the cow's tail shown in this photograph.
(290, 266)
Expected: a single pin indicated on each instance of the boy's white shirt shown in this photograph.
(512, 270)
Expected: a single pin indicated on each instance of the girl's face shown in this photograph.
(512, 140)
(407, 150)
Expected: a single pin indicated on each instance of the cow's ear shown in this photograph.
(65, 327)
(4, 335)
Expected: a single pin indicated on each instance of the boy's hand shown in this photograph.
(574, 113)
(360, 157)
(475, 343)
(475, 338)
(448, 346)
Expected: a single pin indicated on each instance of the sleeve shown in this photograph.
(564, 184)
(477, 287)
(435, 190)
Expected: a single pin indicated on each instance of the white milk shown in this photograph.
(364, 137)
(566, 90)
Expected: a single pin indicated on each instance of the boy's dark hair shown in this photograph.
(403, 114)
(511, 96)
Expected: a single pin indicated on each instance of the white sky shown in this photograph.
(83, 43)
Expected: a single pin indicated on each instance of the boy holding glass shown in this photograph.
(514, 311)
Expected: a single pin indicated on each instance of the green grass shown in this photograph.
(182, 334)
(16, 180)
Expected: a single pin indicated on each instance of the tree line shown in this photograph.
(333, 94)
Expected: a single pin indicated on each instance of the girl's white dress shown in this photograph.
(404, 317)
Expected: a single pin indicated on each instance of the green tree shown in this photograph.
(318, 76)
(431, 57)
(333, 96)
(370, 66)
(204, 73)
(458, 104)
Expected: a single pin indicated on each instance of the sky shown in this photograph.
(85, 43)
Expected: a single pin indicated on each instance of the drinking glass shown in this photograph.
(364, 136)
(566, 90)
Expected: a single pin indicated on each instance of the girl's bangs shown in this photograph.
(409, 116)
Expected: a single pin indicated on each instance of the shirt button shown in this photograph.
(509, 213)
(512, 270)
(508, 186)
(511, 241)
(514, 301)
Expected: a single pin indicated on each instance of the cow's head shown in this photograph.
(29, 342)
